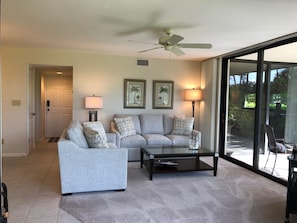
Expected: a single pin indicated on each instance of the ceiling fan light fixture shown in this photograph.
(163, 40)
(168, 47)
(171, 42)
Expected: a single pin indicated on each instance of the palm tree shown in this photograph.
(136, 91)
(163, 90)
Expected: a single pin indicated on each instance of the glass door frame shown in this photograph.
(260, 116)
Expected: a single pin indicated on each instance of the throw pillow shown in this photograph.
(135, 119)
(182, 126)
(125, 126)
(94, 138)
(97, 126)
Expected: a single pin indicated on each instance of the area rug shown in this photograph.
(53, 139)
(236, 195)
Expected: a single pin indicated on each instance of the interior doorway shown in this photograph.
(50, 101)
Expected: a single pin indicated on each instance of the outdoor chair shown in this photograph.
(275, 146)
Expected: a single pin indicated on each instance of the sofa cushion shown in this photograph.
(179, 140)
(157, 139)
(133, 141)
(135, 120)
(75, 134)
(152, 124)
(168, 124)
(125, 126)
(182, 126)
(94, 138)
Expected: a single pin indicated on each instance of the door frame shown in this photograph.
(31, 110)
(223, 104)
(35, 72)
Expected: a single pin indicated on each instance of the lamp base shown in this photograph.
(193, 113)
(93, 116)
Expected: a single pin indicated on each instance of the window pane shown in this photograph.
(241, 109)
(281, 110)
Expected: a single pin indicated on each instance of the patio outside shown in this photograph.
(241, 149)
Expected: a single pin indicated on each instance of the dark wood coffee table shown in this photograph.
(176, 159)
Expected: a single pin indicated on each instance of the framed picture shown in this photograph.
(134, 93)
(163, 94)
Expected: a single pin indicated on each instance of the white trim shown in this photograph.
(14, 154)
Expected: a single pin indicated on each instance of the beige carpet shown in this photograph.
(236, 195)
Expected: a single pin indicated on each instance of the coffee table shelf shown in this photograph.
(180, 160)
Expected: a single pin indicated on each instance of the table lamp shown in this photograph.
(193, 95)
(92, 103)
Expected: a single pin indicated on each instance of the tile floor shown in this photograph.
(34, 188)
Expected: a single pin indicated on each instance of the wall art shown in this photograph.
(134, 93)
(163, 94)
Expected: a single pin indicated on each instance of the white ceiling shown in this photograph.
(115, 26)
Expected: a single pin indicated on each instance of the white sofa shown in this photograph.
(85, 169)
(154, 130)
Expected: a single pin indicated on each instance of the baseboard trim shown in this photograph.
(14, 154)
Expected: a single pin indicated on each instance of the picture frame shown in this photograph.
(134, 93)
(163, 94)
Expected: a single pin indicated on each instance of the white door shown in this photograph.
(58, 104)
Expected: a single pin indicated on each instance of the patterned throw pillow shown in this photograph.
(97, 126)
(125, 126)
(182, 126)
(94, 138)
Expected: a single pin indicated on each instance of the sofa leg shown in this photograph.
(67, 194)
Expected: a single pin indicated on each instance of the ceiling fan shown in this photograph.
(171, 43)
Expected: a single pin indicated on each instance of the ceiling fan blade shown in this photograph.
(176, 51)
(174, 39)
(195, 45)
(142, 51)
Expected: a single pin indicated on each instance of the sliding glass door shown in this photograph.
(281, 111)
(241, 110)
(260, 88)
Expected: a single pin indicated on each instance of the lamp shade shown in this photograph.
(193, 95)
(93, 102)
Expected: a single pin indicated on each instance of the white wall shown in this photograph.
(102, 75)
(209, 116)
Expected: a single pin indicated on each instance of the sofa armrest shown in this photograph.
(116, 132)
(91, 169)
